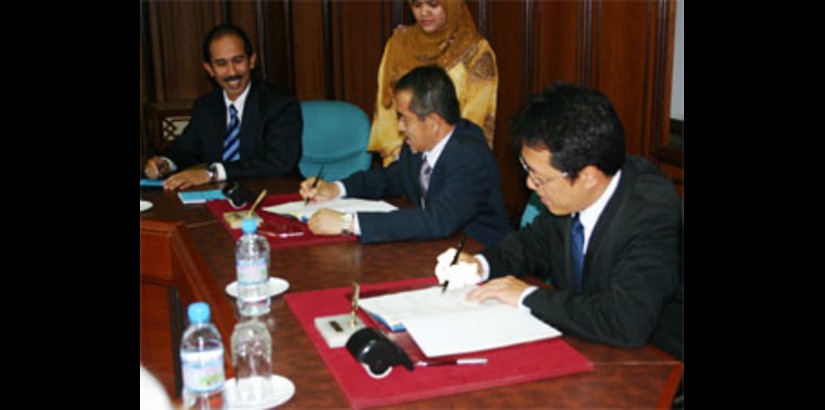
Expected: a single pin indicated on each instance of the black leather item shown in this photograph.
(378, 353)
(238, 195)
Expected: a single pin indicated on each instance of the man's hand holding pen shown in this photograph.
(322, 191)
(467, 271)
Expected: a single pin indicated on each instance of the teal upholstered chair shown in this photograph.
(533, 209)
(335, 135)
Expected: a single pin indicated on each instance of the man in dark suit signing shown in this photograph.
(445, 169)
(244, 129)
(610, 244)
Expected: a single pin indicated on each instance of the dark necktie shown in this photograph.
(577, 250)
(424, 178)
(232, 142)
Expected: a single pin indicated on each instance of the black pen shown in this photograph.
(314, 183)
(455, 260)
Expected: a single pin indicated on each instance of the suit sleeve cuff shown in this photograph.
(342, 193)
(356, 225)
(485, 267)
(527, 292)
(220, 171)
(172, 166)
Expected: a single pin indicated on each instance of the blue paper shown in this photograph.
(199, 197)
(154, 183)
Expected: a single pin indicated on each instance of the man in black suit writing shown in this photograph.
(244, 129)
(445, 168)
(610, 242)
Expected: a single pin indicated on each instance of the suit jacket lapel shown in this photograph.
(606, 218)
(436, 178)
(219, 117)
(415, 171)
(214, 149)
(250, 117)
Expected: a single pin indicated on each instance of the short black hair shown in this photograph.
(578, 125)
(220, 31)
(432, 92)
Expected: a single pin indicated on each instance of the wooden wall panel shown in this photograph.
(556, 44)
(360, 30)
(623, 35)
(507, 36)
(176, 31)
(277, 45)
(308, 50)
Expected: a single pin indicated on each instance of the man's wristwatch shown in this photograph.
(346, 224)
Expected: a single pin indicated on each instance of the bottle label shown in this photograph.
(203, 371)
(253, 272)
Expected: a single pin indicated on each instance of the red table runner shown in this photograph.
(509, 365)
(276, 223)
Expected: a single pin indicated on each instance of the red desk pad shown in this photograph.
(510, 365)
(272, 221)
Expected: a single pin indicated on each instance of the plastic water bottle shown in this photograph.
(201, 355)
(252, 361)
(252, 263)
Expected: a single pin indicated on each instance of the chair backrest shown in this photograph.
(533, 209)
(335, 135)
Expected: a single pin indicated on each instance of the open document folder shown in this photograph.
(448, 324)
(303, 212)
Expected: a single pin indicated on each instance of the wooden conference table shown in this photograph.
(186, 255)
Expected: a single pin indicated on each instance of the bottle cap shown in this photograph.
(198, 312)
(249, 225)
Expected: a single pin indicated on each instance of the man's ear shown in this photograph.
(590, 176)
(252, 59)
(434, 120)
(208, 68)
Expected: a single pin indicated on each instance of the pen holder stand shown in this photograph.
(337, 329)
(376, 353)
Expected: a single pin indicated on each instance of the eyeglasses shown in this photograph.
(537, 182)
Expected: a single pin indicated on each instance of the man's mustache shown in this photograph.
(232, 78)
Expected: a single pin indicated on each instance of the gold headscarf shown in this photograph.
(445, 47)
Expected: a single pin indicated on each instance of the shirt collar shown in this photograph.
(590, 215)
(432, 155)
(239, 102)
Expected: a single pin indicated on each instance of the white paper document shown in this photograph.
(447, 324)
(346, 205)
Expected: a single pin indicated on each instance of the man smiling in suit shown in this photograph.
(445, 169)
(244, 129)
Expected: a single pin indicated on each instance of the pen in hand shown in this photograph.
(314, 184)
(455, 260)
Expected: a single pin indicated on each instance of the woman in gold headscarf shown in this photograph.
(445, 35)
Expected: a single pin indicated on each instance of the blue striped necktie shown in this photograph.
(232, 142)
(577, 250)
